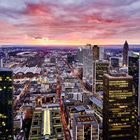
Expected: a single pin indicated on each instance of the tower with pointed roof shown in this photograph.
(125, 54)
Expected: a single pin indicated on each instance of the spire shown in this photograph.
(125, 54)
(126, 44)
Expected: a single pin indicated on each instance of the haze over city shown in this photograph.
(70, 22)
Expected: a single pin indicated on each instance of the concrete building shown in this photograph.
(52, 126)
(85, 127)
(36, 126)
(101, 67)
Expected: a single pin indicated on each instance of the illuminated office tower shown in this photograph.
(119, 120)
(125, 54)
(6, 95)
(85, 127)
(133, 70)
(90, 55)
(101, 67)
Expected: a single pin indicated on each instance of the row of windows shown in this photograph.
(7, 78)
(119, 91)
(120, 96)
(120, 135)
(6, 88)
(3, 116)
(122, 119)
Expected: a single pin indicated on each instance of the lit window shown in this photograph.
(3, 123)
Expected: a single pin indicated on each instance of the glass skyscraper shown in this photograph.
(119, 119)
(6, 115)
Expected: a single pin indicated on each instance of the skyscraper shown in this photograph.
(125, 54)
(90, 55)
(133, 70)
(80, 55)
(1, 62)
(6, 115)
(119, 120)
(102, 67)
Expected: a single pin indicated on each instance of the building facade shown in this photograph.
(36, 126)
(133, 70)
(102, 67)
(6, 97)
(119, 120)
(85, 127)
(52, 125)
(90, 55)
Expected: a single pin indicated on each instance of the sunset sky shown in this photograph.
(70, 22)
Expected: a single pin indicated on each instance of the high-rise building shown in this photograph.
(133, 70)
(115, 62)
(80, 55)
(6, 96)
(138, 127)
(119, 120)
(1, 62)
(90, 55)
(125, 54)
(85, 127)
(70, 58)
(102, 67)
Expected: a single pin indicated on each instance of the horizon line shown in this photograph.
(63, 45)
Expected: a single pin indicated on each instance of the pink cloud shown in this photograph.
(68, 20)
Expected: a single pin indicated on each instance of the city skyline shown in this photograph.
(45, 22)
(69, 94)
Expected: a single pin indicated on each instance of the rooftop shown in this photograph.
(85, 119)
(97, 101)
(5, 69)
(118, 75)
